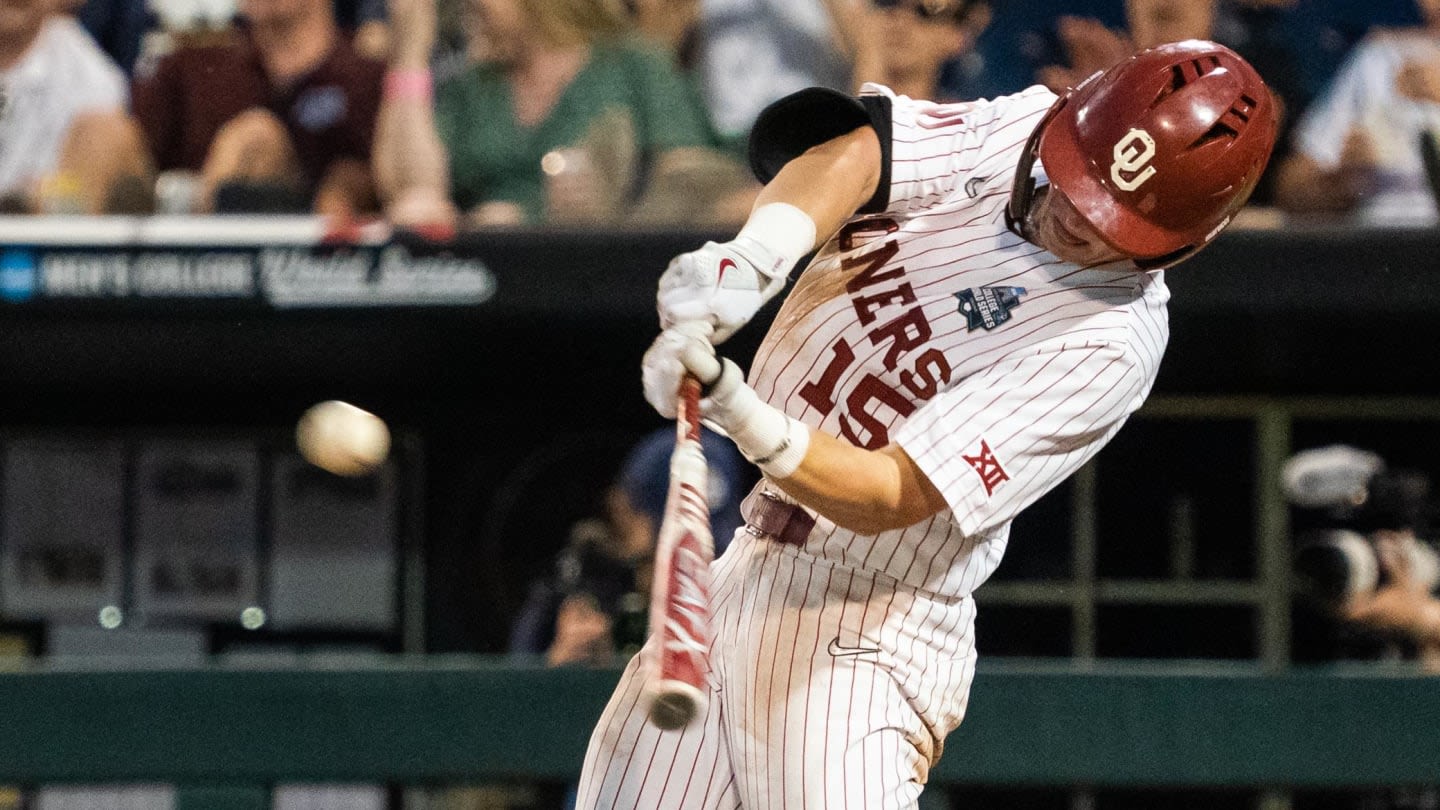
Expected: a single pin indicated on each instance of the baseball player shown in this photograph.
(986, 308)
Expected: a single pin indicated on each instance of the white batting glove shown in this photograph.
(665, 363)
(765, 435)
(722, 284)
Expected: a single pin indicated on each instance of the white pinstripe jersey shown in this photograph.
(999, 368)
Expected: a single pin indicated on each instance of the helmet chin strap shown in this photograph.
(1021, 198)
(1022, 190)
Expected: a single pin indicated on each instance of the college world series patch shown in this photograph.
(988, 307)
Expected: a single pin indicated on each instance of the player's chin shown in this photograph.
(1076, 251)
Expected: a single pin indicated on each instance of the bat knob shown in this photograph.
(672, 711)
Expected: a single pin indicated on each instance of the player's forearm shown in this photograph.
(829, 182)
(865, 491)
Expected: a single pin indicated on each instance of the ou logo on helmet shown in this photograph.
(1133, 154)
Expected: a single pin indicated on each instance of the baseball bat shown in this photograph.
(679, 647)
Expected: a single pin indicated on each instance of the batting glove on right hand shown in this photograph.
(763, 434)
(723, 284)
(682, 348)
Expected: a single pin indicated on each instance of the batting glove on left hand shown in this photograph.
(722, 284)
(764, 434)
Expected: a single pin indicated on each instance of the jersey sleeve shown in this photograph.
(996, 442)
(936, 147)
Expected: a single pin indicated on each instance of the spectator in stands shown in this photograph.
(278, 116)
(1367, 576)
(568, 116)
(1359, 148)
(594, 606)
(905, 44)
(749, 53)
(66, 145)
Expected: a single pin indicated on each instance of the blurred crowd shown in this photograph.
(462, 113)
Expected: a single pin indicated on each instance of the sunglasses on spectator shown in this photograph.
(928, 9)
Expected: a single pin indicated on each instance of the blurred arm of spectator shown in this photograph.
(1306, 185)
(1403, 606)
(1156, 22)
(69, 146)
(1090, 46)
(905, 45)
(411, 167)
(582, 634)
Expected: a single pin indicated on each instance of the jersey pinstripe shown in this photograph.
(999, 368)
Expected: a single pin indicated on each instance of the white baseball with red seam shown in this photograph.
(342, 439)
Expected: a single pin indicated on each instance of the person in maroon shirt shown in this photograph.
(277, 115)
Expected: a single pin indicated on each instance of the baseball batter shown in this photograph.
(986, 308)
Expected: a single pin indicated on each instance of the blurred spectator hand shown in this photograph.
(1419, 79)
(1403, 605)
(1155, 22)
(412, 32)
(582, 634)
(1359, 151)
(1089, 47)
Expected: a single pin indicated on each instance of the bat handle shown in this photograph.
(687, 409)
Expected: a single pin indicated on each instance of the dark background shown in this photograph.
(518, 410)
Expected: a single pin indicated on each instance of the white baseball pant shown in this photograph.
(830, 687)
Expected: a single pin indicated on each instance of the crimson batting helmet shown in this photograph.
(1159, 151)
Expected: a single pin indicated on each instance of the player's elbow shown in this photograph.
(905, 498)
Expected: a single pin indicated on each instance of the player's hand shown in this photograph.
(682, 348)
(685, 349)
(723, 284)
(763, 434)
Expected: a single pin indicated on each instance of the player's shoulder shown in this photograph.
(979, 112)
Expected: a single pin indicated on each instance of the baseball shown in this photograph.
(343, 439)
